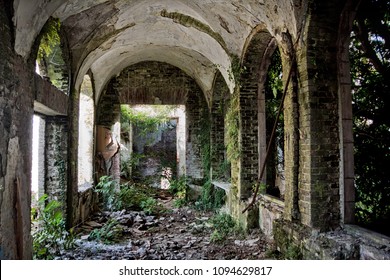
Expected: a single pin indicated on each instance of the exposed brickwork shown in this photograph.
(153, 83)
(56, 159)
(198, 121)
(49, 96)
(319, 199)
(220, 100)
(291, 131)
(249, 167)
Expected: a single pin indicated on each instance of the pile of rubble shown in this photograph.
(179, 234)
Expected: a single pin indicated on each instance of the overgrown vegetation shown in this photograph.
(143, 126)
(211, 198)
(50, 56)
(144, 123)
(133, 196)
(233, 113)
(180, 190)
(273, 89)
(109, 233)
(224, 226)
(370, 70)
(50, 235)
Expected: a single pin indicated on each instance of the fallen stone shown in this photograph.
(93, 224)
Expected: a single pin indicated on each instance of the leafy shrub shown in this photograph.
(134, 196)
(224, 225)
(180, 190)
(211, 198)
(149, 206)
(50, 235)
(106, 187)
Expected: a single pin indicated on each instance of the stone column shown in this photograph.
(56, 159)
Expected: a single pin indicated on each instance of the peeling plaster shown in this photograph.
(196, 37)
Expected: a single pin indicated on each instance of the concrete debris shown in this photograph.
(182, 234)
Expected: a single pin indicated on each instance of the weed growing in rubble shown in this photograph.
(110, 233)
(50, 235)
(179, 189)
(129, 196)
(106, 187)
(224, 225)
(149, 206)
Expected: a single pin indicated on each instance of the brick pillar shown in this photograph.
(291, 135)
(218, 111)
(198, 135)
(319, 153)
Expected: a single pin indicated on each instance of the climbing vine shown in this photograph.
(145, 123)
(233, 112)
(50, 38)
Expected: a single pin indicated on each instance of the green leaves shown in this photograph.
(50, 235)
(143, 122)
(109, 233)
(370, 69)
(224, 225)
(179, 188)
(128, 196)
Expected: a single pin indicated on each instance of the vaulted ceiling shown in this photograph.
(198, 36)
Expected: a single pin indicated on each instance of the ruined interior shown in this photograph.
(72, 65)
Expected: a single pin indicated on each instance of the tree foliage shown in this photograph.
(50, 55)
(370, 61)
(273, 94)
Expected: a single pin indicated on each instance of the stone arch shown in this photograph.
(256, 61)
(252, 80)
(347, 183)
(51, 57)
(158, 83)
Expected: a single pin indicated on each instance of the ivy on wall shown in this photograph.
(233, 112)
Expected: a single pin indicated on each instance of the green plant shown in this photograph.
(142, 122)
(149, 206)
(109, 233)
(369, 56)
(179, 189)
(224, 225)
(211, 198)
(128, 167)
(50, 235)
(128, 196)
(106, 187)
(50, 56)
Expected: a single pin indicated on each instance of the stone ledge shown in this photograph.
(222, 185)
(49, 100)
(270, 209)
(351, 243)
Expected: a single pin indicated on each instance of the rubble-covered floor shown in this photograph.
(177, 234)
